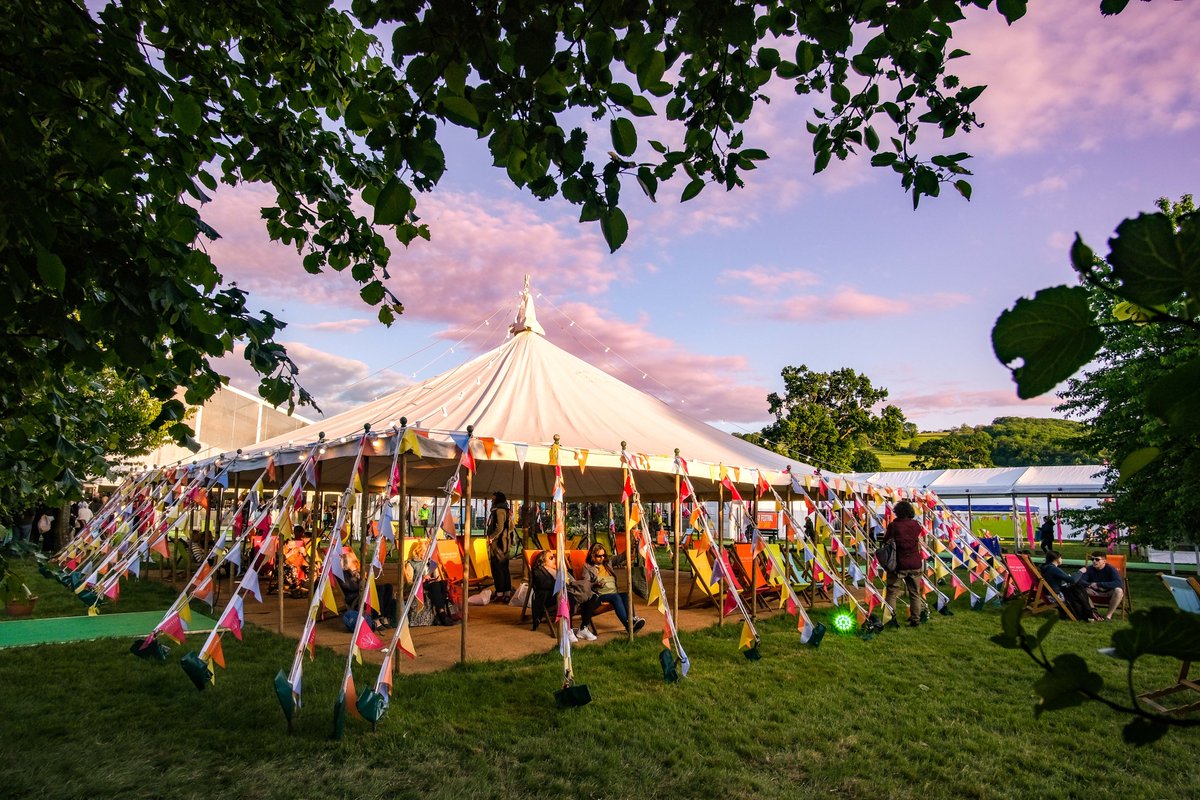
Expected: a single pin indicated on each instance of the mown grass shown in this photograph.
(934, 712)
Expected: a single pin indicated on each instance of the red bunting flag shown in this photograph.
(271, 468)
(468, 459)
(627, 489)
(730, 603)
(733, 492)
(763, 486)
(366, 639)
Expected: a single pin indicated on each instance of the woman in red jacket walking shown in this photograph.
(907, 533)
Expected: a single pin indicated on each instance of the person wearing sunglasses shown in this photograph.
(599, 571)
(1103, 582)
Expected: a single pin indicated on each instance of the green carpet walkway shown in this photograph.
(52, 630)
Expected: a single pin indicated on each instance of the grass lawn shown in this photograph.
(935, 712)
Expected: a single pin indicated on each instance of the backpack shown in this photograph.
(886, 555)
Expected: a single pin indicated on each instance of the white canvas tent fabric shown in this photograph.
(520, 396)
(1085, 480)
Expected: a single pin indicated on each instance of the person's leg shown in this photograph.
(618, 604)
(916, 603)
(587, 610)
(892, 592)
(501, 576)
(1118, 595)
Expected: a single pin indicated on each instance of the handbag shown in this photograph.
(520, 596)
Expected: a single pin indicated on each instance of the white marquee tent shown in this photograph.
(518, 397)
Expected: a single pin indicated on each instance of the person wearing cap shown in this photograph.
(499, 532)
(1103, 582)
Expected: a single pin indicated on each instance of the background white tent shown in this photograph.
(518, 397)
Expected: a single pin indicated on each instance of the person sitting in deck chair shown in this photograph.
(579, 596)
(351, 585)
(598, 571)
(1103, 582)
(436, 590)
(1072, 593)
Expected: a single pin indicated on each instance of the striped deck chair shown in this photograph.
(1186, 593)
(799, 581)
(701, 566)
(750, 566)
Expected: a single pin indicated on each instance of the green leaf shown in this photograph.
(624, 136)
(1012, 10)
(1159, 631)
(651, 70)
(641, 107)
(615, 228)
(186, 113)
(1055, 334)
(1132, 463)
(51, 269)
(872, 139)
(963, 188)
(372, 293)
(691, 190)
(822, 161)
(459, 110)
(1110, 7)
(1154, 264)
(1174, 399)
(1063, 685)
(394, 202)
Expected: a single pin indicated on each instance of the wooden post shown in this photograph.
(721, 549)
(628, 548)
(364, 511)
(404, 512)
(466, 554)
(678, 526)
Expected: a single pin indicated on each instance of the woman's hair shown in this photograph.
(1052, 556)
(904, 510)
(499, 500)
(417, 553)
(594, 551)
(543, 557)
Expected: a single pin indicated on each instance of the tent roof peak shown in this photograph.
(526, 314)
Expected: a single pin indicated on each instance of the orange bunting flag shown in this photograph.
(385, 673)
(958, 586)
(352, 696)
(489, 444)
(694, 519)
(271, 468)
(635, 515)
(160, 546)
(216, 653)
(666, 637)
(763, 486)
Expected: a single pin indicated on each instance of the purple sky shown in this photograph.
(1087, 121)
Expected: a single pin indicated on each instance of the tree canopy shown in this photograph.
(118, 120)
(1141, 305)
(827, 418)
(1038, 442)
(956, 450)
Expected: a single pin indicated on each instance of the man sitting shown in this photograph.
(1103, 582)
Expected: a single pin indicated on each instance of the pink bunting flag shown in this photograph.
(112, 591)
(172, 627)
(792, 608)
(730, 603)
(564, 608)
(233, 618)
(367, 640)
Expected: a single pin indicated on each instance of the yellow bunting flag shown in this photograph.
(654, 593)
(372, 594)
(635, 515)
(747, 639)
(554, 448)
(409, 443)
(581, 457)
(185, 613)
(405, 642)
(357, 653)
(328, 599)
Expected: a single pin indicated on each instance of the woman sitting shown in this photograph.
(436, 608)
(579, 596)
(598, 572)
(1073, 594)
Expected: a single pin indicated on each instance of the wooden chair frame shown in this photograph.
(1040, 597)
(1176, 584)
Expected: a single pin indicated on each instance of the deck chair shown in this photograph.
(753, 575)
(481, 564)
(1186, 593)
(799, 582)
(698, 561)
(1040, 597)
(1119, 563)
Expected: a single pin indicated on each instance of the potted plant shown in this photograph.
(19, 601)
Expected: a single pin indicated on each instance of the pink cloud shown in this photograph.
(766, 278)
(845, 304)
(1065, 71)
(951, 398)
(339, 326)
(479, 252)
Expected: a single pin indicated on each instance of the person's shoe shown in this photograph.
(914, 623)
(924, 615)
(893, 623)
(638, 624)
(571, 635)
(587, 635)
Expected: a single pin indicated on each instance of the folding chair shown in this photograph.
(698, 561)
(754, 574)
(1186, 593)
(481, 563)
(1040, 595)
(1119, 563)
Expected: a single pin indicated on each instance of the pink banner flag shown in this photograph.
(172, 627)
(564, 608)
(233, 618)
(367, 640)
(730, 603)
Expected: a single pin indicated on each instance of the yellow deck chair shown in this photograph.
(799, 581)
(480, 563)
(701, 568)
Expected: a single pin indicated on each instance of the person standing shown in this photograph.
(499, 531)
(906, 532)
(1046, 534)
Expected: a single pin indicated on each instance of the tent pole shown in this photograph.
(527, 512)
(678, 525)
(364, 512)
(785, 518)
(628, 549)
(404, 512)
(468, 518)
(754, 563)
(970, 516)
(279, 555)
(1016, 525)
(721, 548)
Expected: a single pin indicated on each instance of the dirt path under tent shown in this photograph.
(495, 632)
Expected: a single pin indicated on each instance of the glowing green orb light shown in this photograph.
(844, 622)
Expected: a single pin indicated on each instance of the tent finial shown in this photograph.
(526, 316)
